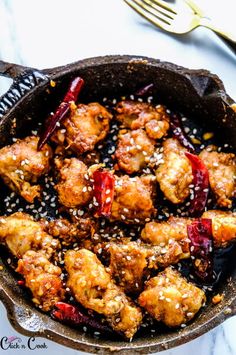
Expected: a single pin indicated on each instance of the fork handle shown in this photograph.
(229, 43)
(228, 38)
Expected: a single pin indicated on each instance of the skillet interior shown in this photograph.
(197, 94)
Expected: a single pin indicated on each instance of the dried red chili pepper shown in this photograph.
(144, 90)
(64, 107)
(201, 185)
(178, 133)
(71, 315)
(201, 247)
(103, 192)
(21, 282)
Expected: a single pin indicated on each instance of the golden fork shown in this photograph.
(179, 18)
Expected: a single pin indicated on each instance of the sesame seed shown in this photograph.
(186, 129)
(215, 164)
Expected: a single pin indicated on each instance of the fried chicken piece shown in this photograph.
(170, 298)
(171, 236)
(134, 150)
(93, 287)
(160, 233)
(223, 226)
(42, 278)
(84, 128)
(167, 232)
(68, 232)
(222, 174)
(175, 174)
(129, 265)
(131, 262)
(135, 115)
(21, 164)
(175, 229)
(74, 187)
(21, 233)
(133, 199)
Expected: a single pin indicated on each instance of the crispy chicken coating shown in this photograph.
(21, 164)
(223, 226)
(170, 298)
(68, 232)
(134, 150)
(175, 229)
(167, 232)
(84, 128)
(133, 199)
(129, 265)
(21, 233)
(135, 115)
(93, 287)
(42, 278)
(74, 187)
(222, 174)
(175, 173)
(131, 262)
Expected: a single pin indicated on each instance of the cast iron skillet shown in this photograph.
(196, 93)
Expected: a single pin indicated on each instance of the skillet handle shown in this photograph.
(24, 80)
(11, 70)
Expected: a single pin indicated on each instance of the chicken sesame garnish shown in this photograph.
(170, 298)
(175, 173)
(84, 128)
(134, 150)
(21, 165)
(222, 174)
(93, 287)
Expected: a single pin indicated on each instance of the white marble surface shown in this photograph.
(47, 33)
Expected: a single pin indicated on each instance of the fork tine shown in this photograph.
(165, 6)
(150, 11)
(160, 9)
(139, 9)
